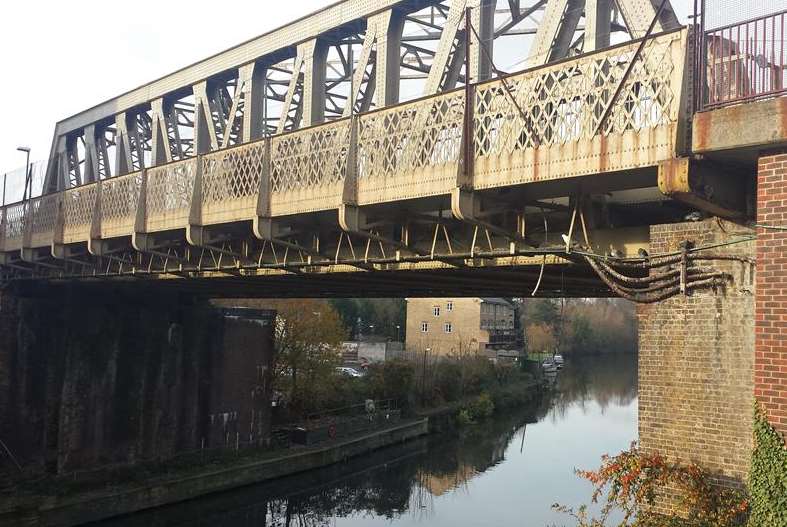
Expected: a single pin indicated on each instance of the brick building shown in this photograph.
(460, 325)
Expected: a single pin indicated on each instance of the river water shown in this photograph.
(507, 471)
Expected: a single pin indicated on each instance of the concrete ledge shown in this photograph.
(747, 125)
(57, 512)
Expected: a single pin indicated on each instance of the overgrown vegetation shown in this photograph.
(309, 333)
(632, 481)
(423, 386)
(580, 325)
(372, 316)
(768, 475)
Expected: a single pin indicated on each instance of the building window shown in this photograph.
(449, 306)
(448, 327)
(424, 327)
(436, 311)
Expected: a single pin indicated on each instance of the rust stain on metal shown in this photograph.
(674, 176)
(702, 124)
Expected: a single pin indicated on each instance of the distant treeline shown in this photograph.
(372, 316)
(607, 325)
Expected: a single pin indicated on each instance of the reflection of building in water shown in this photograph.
(437, 485)
(469, 459)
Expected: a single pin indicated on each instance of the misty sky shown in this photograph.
(59, 58)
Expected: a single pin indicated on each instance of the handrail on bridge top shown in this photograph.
(743, 61)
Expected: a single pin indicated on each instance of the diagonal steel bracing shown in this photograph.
(349, 58)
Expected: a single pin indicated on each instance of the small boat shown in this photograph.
(549, 366)
(558, 360)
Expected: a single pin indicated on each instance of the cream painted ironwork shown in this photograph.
(554, 136)
(411, 150)
(169, 192)
(119, 201)
(231, 183)
(43, 211)
(78, 206)
(14, 226)
(308, 168)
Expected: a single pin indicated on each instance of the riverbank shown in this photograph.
(443, 418)
(76, 509)
(53, 503)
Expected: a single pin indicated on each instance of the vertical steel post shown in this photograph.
(469, 156)
(28, 177)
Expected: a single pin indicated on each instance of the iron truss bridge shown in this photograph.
(375, 147)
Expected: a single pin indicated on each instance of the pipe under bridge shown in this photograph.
(294, 164)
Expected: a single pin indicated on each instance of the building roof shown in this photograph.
(498, 301)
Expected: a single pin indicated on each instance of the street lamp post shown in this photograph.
(28, 175)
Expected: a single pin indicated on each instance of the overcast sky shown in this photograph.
(59, 58)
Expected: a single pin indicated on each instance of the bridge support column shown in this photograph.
(770, 360)
(696, 360)
(89, 379)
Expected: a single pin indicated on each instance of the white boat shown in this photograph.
(558, 360)
(549, 366)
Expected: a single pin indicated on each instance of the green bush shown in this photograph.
(391, 380)
(768, 475)
(447, 381)
(464, 418)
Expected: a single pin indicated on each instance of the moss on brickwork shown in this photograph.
(768, 476)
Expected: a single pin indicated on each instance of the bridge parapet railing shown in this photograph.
(410, 150)
(169, 192)
(79, 204)
(308, 168)
(745, 61)
(231, 183)
(43, 213)
(119, 202)
(14, 220)
(555, 129)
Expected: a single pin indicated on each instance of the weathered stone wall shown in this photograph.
(696, 360)
(770, 366)
(106, 380)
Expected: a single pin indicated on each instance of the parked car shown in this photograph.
(348, 372)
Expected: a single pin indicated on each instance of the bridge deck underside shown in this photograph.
(563, 280)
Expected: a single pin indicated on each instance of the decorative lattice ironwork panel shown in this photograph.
(169, 192)
(409, 147)
(119, 200)
(43, 214)
(310, 158)
(78, 206)
(14, 226)
(562, 106)
(231, 182)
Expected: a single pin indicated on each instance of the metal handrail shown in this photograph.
(743, 61)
